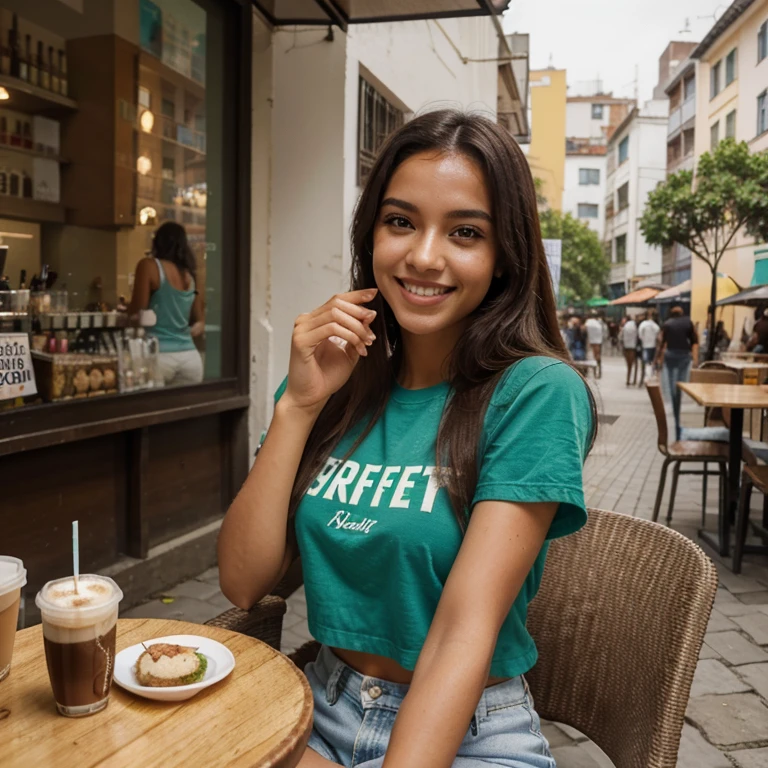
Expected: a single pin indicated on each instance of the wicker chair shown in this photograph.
(752, 477)
(264, 621)
(618, 622)
(685, 451)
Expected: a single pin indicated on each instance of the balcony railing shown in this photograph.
(681, 115)
(688, 109)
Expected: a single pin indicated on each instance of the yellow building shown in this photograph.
(732, 95)
(546, 154)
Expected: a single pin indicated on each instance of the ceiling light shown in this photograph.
(4, 95)
(143, 165)
(147, 121)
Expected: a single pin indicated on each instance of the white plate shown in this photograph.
(220, 663)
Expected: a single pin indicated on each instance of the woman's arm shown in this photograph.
(197, 317)
(142, 287)
(499, 549)
(259, 513)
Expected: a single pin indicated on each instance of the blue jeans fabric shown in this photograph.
(677, 367)
(354, 716)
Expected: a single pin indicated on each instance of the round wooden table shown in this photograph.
(261, 715)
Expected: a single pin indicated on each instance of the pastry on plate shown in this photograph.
(163, 665)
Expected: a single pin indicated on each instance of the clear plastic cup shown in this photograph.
(79, 631)
(13, 577)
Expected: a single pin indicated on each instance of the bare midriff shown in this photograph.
(383, 668)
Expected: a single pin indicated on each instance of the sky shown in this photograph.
(609, 39)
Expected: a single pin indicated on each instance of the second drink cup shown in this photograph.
(79, 630)
(12, 578)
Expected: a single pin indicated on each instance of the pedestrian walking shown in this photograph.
(758, 342)
(595, 338)
(649, 335)
(577, 339)
(678, 349)
(629, 345)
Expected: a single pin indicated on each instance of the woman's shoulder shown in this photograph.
(539, 371)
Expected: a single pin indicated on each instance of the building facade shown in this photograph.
(546, 152)
(732, 98)
(636, 163)
(591, 120)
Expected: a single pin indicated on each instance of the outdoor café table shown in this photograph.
(260, 715)
(737, 397)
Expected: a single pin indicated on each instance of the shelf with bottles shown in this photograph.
(32, 99)
(34, 153)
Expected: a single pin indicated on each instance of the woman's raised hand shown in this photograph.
(326, 346)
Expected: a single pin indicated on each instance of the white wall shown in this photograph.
(579, 122)
(575, 193)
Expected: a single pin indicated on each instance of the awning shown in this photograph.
(344, 12)
(598, 301)
(751, 297)
(760, 275)
(676, 292)
(639, 296)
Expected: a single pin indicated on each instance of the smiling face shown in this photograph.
(434, 245)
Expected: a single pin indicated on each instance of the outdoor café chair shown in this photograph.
(264, 621)
(752, 477)
(618, 621)
(684, 452)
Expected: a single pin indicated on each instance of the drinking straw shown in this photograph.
(75, 552)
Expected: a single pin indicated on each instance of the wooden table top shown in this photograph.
(727, 395)
(261, 715)
(740, 365)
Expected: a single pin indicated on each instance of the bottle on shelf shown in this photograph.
(23, 280)
(54, 72)
(26, 137)
(13, 44)
(63, 82)
(26, 185)
(17, 137)
(3, 129)
(31, 63)
(5, 59)
(43, 74)
(23, 65)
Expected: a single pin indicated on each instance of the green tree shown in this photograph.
(585, 266)
(704, 213)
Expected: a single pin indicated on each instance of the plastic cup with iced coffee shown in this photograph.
(12, 578)
(79, 630)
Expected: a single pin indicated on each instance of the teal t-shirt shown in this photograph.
(378, 536)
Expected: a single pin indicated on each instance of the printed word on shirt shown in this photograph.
(367, 485)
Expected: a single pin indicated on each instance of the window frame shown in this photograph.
(762, 42)
(592, 207)
(692, 82)
(599, 108)
(731, 62)
(714, 135)
(368, 146)
(762, 111)
(714, 79)
(623, 146)
(623, 188)
(730, 125)
(623, 239)
(592, 176)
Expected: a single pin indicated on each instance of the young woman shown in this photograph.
(165, 283)
(427, 443)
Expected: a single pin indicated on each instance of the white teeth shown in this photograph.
(422, 291)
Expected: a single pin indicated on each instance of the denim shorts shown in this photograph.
(354, 716)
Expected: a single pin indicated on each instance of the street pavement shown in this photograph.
(727, 718)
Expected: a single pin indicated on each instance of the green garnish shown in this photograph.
(199, 673)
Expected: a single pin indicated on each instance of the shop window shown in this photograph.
(730, 125)
(715, 79)
(597, 111)
(589, 176)
(624, 150)
(714, 135)
(730, 67)
(762, 113)
(621, 249)
(622, 195)
(762, 42)
(588, 211)
(377, 119)
(79, 206)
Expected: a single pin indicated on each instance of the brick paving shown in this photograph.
(727, 718)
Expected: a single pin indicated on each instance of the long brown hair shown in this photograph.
(517, 318)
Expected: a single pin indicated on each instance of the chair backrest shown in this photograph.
(657, 401)
(618, 623)
(713, 364)
(716, 375)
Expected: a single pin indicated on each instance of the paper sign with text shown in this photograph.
(17, 377)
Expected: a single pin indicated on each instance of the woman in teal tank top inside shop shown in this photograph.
(165, 283)
(426, 445)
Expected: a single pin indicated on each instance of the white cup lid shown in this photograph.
(13, 575)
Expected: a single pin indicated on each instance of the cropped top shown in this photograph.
(377, 533)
